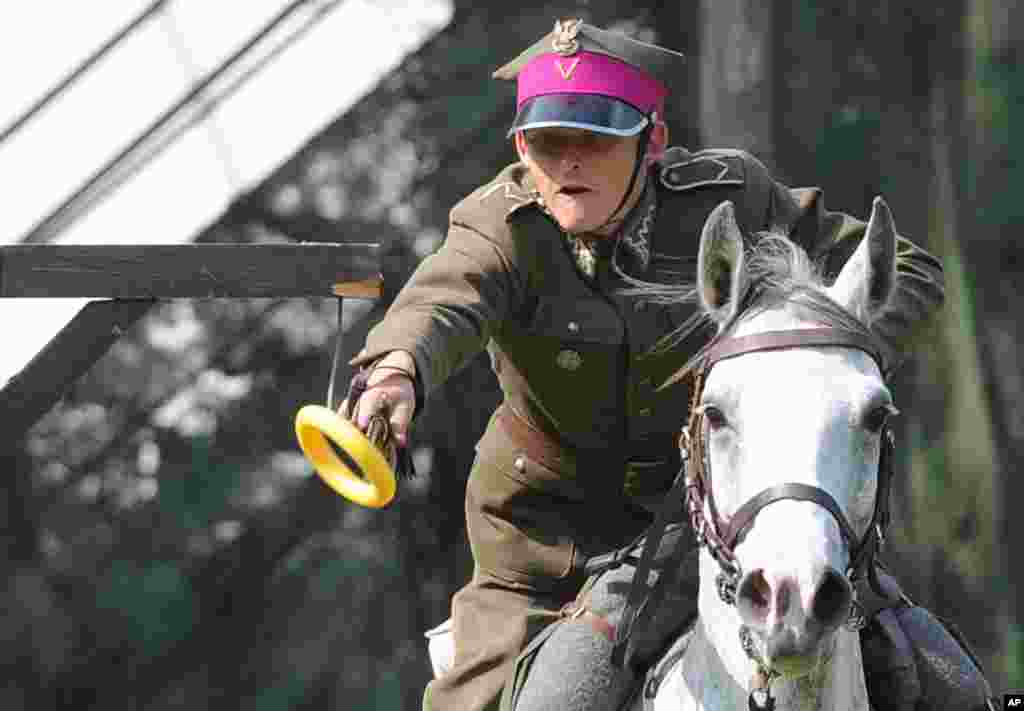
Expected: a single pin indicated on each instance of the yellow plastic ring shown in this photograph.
(314, 424)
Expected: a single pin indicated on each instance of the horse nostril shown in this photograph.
(831, 599)
(754, 595)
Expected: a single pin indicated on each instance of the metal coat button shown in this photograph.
(574, 327)
(569, 359)
(520, 463)
(645, 411)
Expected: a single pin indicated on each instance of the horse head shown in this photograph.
(791, 428)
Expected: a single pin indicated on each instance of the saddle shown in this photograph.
(914, 659)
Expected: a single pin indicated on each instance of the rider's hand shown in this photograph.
(389, 392)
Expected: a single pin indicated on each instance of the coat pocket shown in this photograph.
(518, 531)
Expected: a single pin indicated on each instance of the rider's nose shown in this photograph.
(572, 153)
(571, 159)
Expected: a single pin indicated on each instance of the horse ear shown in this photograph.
(721, 273)
(868, 278)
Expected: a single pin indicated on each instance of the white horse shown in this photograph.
(811, 415)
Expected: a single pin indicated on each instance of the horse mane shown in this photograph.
(779, 273)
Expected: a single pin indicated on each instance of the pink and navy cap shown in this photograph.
(580, 76)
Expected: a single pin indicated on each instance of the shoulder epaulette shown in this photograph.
(683, 170)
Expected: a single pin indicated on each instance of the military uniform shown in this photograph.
(583, 438)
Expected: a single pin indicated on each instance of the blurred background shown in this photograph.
(165, 545)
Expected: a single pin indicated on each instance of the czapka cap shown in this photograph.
(580, 76)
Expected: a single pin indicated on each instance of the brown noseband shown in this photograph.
(721, 537)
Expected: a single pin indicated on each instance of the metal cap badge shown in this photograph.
(564, 40)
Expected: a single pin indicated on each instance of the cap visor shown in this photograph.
(592, 112)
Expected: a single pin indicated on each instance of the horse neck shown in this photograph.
(717, 671)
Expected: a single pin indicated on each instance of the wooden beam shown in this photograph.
(32, 392)
(190, 270)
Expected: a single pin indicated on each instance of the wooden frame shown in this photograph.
(132, 278)
(190, 270)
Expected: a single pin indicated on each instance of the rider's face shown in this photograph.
(581, 175)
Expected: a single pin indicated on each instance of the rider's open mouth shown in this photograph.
(574, 190)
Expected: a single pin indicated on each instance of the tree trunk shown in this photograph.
(995, 259)
(678, 26)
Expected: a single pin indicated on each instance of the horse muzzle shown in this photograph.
(793, 625)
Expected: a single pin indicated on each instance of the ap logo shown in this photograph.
(1013, 701)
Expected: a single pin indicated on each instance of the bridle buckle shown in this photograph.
(857, 620)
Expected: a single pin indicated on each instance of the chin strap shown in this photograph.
(641, 153)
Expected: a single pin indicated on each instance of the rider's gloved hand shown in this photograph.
(389, 391)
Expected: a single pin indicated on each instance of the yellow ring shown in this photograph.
(313, 425)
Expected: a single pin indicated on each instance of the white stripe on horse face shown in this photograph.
(795, 416)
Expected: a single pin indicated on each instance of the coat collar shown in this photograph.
(630, 248)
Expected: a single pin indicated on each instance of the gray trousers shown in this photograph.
(573, 671)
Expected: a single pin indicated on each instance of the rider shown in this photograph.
(536, 268)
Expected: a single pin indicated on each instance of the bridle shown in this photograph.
(721, 538)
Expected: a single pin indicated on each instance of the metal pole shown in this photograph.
(334, 397)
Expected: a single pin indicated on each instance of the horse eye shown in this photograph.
(877, 417)
(714, 416)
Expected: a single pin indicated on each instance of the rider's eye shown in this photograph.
(714, 417)
(877, 416)
(547, 145)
